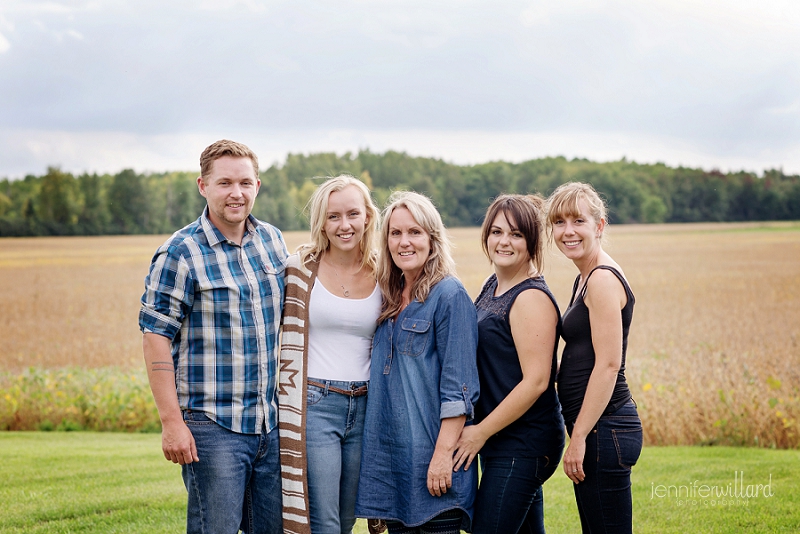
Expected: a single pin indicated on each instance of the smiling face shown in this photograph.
(230, 189)
(507, 247)
(578, 236)
(345, 219)
(409, 243)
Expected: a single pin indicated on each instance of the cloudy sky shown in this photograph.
(102, 85)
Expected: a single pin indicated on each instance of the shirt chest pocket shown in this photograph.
(270, 279)
(269, 269)
(414, 336)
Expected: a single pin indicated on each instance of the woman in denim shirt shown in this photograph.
(423, 382)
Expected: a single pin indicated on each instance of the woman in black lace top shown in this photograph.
(519, 431)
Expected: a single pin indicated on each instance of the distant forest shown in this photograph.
(60, 203)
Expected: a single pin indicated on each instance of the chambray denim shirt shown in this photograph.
(423, 370)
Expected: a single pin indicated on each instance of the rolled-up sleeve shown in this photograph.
(168, 294)
(456, 343)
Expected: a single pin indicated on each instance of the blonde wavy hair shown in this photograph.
(317, 209)
(439, 264)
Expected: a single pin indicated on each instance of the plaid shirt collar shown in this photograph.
(213, 234)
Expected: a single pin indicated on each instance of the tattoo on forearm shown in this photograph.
(162, 366)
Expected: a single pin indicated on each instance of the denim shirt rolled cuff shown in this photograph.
(456, 409)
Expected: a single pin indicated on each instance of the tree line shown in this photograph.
(60, 203)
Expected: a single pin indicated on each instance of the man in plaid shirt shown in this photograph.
(210, 316)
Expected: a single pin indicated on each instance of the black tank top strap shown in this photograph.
(628, 290)
(574, 290)
(539, 284)
(528, 284)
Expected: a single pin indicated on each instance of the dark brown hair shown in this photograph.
(524, 213)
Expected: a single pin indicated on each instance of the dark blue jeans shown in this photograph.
(612, 448)
(448, 522)
(510, 497)
(237, 482)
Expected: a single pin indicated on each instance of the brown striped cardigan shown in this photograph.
(292, 385)
(299, 280)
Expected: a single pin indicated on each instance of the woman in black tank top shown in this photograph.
(601, 418)
(519, 431)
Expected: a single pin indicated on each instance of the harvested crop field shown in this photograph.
(714, 354)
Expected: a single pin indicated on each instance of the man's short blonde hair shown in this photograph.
(225, 147)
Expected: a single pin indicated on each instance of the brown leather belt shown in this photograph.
(353, 392)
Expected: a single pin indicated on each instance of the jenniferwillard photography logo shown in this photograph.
(738, 492)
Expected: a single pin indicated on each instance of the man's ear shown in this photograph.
(201, 185)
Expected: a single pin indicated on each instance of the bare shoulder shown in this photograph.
(603, 287)
(535, 298)
(533, 303)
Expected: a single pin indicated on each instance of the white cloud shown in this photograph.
(793, 108)
(254, 6)
(30, 7)
(715, 81)
(548, 12)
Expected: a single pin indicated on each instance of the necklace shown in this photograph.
(344, 291)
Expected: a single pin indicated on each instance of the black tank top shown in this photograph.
(540, 430)
(577, 361)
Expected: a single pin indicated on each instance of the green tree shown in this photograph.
(5, 204)
(94, 217)
(653, 210)
(181, 201)
(58, 201)
(128, 203)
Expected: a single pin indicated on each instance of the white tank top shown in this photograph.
(340, 334)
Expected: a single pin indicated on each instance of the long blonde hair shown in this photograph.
(438, 265)
(317, 209)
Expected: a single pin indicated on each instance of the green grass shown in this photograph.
(70, 482)
(683, 466)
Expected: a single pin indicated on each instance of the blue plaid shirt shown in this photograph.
(220, 304)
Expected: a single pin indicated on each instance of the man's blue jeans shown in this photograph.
(510, 495)
(237, 482)
(612, 448)
(334, 428)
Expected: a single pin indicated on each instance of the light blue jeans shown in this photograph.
(334, 428)
(236, 484)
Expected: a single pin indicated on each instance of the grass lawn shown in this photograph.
(70, 482)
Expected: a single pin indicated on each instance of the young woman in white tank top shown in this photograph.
(341, 305)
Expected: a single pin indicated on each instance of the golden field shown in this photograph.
(714, 354)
